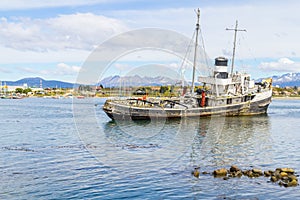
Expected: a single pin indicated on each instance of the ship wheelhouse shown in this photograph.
(222, 83)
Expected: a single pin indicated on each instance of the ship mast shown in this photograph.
(234, 43)
(195, 52)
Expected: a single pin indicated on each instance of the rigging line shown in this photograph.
(188, 51)
(204, 58)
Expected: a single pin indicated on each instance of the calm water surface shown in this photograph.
(60, 149)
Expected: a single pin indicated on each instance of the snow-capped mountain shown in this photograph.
(289, 79)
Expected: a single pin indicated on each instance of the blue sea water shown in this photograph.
(69, 149)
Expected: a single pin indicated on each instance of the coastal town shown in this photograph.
(84, 91)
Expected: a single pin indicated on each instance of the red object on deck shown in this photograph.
(143, 98)
(203, 99)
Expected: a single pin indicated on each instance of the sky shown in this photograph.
(54, 39)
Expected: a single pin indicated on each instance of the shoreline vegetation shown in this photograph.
(286, 93)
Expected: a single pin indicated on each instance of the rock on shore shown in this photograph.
(283, 176)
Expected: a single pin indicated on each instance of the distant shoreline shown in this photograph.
(286, 98)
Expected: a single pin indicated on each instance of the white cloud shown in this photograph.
(60, 70)
(32, 4)
(2, 70)
(65, 69)
(272, 31)
(75, 31)
(272, 35)
(123, 67)
(272, 28)
(28, 70)
(9, 56)
(282, 65)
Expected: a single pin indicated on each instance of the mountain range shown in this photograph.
(289, 79)
(117, 81)
(37, 82)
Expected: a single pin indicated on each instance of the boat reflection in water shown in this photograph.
(207, 141)
(233, 140)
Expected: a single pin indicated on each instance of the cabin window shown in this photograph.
(222, 75)
(229, 101)
(248, 98)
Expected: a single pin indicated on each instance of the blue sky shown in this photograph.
(53, 39)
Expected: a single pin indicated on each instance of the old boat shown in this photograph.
(223, 93)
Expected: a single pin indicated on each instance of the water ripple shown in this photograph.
(43, 157)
